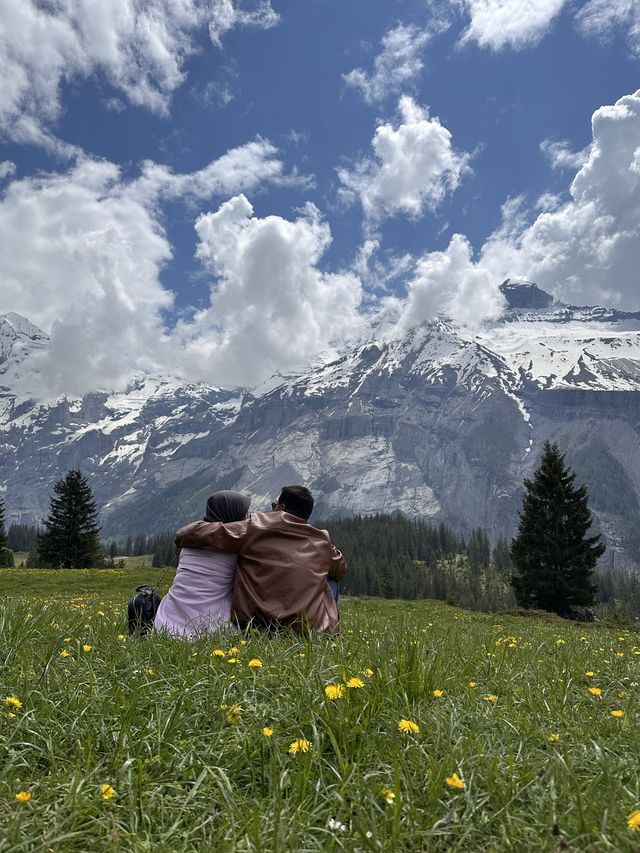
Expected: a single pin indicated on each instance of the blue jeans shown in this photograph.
(334, 586)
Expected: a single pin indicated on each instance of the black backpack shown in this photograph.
(142, 610)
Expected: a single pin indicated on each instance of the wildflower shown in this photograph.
(633, 821)
(218, 653)
(355, 682)
(67, 640)
(65, 653)
(335, 825)
(553, 738)
(243, 642)
(590, 674)
(232, 660)
(234, 715)
(438, 693)
(150, 671)
(595, 691)
(473, 684)
(490, 697)
(622, 694)
(408, 727)
(368, 672)
(234, 650)
(561, 642)
(12, 702)
(107, 791)
(334, 691)
(454, 781)
(121, 637)
(267, 731)
(86, 647)
(300, 745)
(100, 612)
(23, 796)
(301, 654)
(255, 663)
(618, 714)
(388, 795)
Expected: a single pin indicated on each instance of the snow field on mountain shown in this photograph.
(419, 727)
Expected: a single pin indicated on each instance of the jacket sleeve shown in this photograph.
(338, 565)
(214, 534)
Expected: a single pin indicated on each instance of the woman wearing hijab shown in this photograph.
(200, 595)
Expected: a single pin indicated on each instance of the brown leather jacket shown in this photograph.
(283, 565)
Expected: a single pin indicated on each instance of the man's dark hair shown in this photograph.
(297, 500)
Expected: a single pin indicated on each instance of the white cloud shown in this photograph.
(561, 156)
(87, 251)
(396, 66)
(499, 24)
(272, 308)
(587, 250)
(448, 283)
(412, 168)
(601, 18)
(7, 168)
(140, 46)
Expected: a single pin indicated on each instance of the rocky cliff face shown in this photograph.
(442, 423)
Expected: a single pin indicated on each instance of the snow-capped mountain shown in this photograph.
(442, 422)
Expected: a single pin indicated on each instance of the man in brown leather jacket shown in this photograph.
(283, 564)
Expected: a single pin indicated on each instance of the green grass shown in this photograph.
(154, 719)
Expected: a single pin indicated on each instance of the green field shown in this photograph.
(163, 745)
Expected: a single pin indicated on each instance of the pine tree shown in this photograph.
(70, 536)
(552, 554)
(6, 556)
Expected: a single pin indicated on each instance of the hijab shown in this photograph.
(227, 506)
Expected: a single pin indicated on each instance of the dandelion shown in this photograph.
(473, 684)
(67, 640)
(234, 650)
(560, 642)
(218, 653)
(107, 791)
(150, 671)
(255, 663)
(12, 702)
(408, 727)
(86, 647)
(389, 795)
(65, 653)
(590, 674)
(232, 660)
(617, 714)
(100, 612)
(454, 781)
(334, 691)
(121, 637)
(553, 738)
(368, 672)
(355, 682)
(300, 745)
(490, 697)
(595, 691)
(234, 715)
(267, 731)
(633, 821)
(622, 694)
(23, 796)
(438, 693)
(243, 642)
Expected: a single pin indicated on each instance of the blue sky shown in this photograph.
(313, 167)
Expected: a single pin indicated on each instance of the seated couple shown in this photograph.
(264, 569)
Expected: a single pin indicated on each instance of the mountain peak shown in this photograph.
(525, 294)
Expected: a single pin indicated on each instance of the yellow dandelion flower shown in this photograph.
(234, 650)
(368, 672)
(218, 653)
(553, 738)
(595, 691)
(108, 792)
(560, 642)
(100, 612)
(23, 796)
(67, 640)
(355, 682)
(334, 691)
(121, 637)
(473, 684)
(232, 660)
(301, 654)
(590, 674)
(408, 727)
(150, 671)
(12, 702)
(490, 697)
(65, 653)
(234, 715)
(622, 694)
(438, 693)
(267, 731)
(300, 745)
(243, 642)
(617, 713)
(86, 647)
(633, 821)
(454, 781)
(255, 663)
(389, 795)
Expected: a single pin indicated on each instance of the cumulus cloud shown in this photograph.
(601, 18)
(397, 65)
(500, 24)
(587, 249)
(140, 46)
(7, 168)
(561, 156)
(272, 308)
(413, 167)
(87, 250)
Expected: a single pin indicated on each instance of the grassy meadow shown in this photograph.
(420, 727)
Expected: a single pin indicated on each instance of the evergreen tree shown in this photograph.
(552, 554)
(70, 536)
(6, 556)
